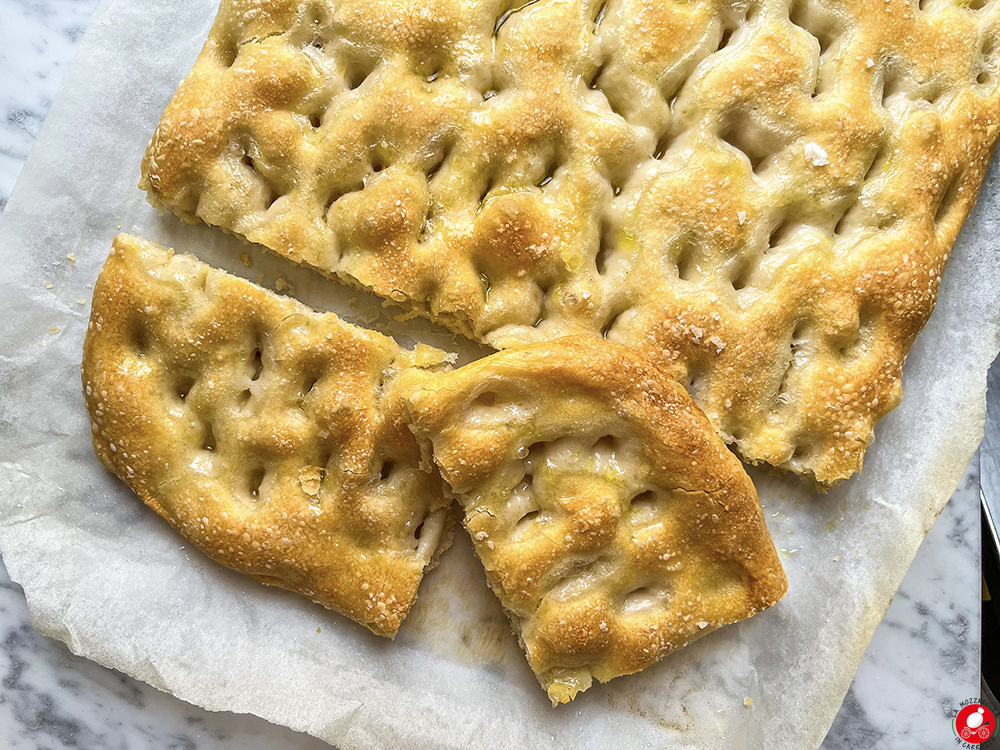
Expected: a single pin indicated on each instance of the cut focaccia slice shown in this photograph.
(614, 525)
(271, 436)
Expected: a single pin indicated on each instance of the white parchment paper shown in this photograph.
(109, 578)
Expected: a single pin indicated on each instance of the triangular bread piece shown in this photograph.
(269, 435)
(614, 524)
(764, 191)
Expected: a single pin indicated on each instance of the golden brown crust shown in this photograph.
(269, 435)
(614, 524)
(765, 192)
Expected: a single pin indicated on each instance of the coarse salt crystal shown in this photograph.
(816, 154)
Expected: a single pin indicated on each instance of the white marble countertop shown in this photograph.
(922, 662)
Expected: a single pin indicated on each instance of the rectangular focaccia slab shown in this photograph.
(765, 192)
(614, 524)
(269, 435)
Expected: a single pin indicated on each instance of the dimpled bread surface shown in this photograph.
(614, 524)
(269, 435)
(764, 192)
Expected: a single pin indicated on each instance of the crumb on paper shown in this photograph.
(246, 260)
(319, 630)
(53, 330)
(282, 285)
(260, 278)
(47, 284)
(748, 701)
(81, 302)
(836, 558)
(71, 257)
(406, 316)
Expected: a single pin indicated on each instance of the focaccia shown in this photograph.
(614, 524)
(762, 191)
(271, 436)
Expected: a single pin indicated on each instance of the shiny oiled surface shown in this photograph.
(614, 524)
(759, 195)
(270, 436)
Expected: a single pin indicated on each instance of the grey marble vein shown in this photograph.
(37, 42)
(922, 662)
(924, 658)
(50, 698)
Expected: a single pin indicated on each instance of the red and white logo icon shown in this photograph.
(975, 723)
